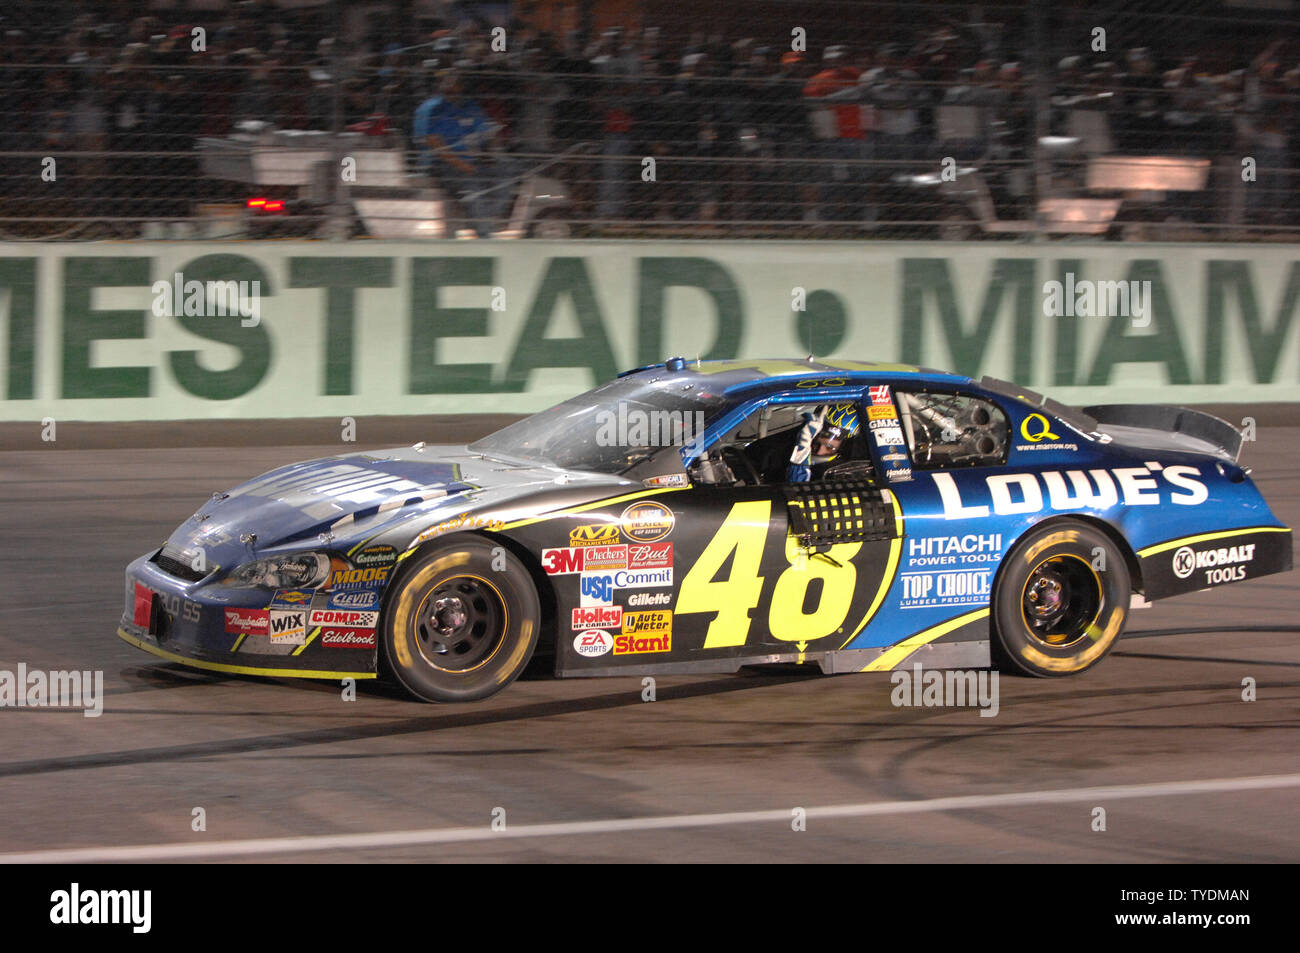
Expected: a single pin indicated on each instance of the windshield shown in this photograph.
(613, 427)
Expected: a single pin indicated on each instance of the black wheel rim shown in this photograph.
(1061, 601)
(461, 624)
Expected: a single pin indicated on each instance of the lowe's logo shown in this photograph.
(1012, 493)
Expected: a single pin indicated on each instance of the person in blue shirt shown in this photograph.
(451, 135)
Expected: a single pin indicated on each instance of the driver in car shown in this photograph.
(820, 441)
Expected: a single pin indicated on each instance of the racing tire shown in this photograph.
(462, 623)
(1060, 601)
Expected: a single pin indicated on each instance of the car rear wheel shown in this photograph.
(463, 622)
(1061, 601)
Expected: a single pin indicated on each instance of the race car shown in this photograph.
(701, 516)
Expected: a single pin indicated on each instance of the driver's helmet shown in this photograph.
(840, 423)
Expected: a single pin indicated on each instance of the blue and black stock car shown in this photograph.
(652, 525)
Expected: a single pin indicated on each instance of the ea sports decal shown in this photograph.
(592, 643)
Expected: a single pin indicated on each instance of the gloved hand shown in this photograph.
(799, 471)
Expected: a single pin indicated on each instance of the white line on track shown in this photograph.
(294, 845)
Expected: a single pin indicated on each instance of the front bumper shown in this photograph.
(189, 623)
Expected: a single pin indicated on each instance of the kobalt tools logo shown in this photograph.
(592, 643)
(1012, 493)
(1218, 562)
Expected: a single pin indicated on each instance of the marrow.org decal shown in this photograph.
(419, 328)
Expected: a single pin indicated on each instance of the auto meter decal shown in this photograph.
(646, 522)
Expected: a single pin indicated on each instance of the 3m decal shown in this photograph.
(563, 562)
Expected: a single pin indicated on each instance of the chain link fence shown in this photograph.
(766, 119)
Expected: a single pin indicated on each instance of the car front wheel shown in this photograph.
(463, 622)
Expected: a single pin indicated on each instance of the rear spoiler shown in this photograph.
(1175, 420)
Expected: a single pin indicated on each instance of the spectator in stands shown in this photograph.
(452, 134)
(786, 119)
(842, 138)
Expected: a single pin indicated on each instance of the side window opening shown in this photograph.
(758, 450)
(953, 430)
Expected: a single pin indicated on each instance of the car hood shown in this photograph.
(334, 500)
